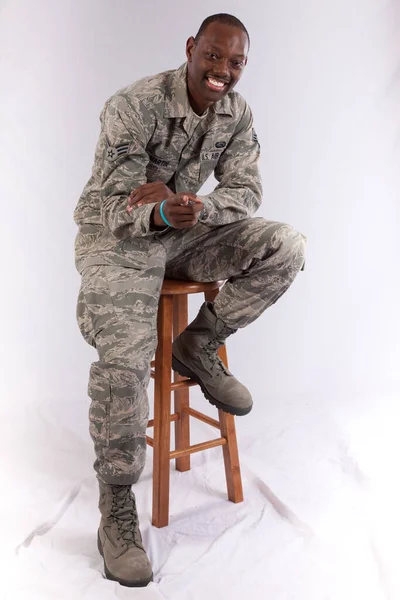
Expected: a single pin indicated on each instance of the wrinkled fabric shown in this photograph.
(117, 314)
(149, 132)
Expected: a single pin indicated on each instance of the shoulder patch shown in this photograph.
(113, 152)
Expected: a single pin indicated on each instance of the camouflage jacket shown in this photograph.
(149, 132)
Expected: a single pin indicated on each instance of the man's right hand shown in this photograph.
(181, 210)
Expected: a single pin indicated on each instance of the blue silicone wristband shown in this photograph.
(164, 218)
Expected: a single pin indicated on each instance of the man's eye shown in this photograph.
(212, 55)
(238, 64)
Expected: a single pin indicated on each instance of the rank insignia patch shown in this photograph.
(113, 152)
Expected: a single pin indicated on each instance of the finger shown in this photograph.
(194, 200)
(142, 190)
(146, 196)
(133, 198)
(185, 209)
(156, 194)
(185, 221)
(133, 203)
(143, 201)
(183, 213)
(137, 201)
(181, 198)
(150, 200)
(191, 199)
(145, 187)
(187, 199)
(137, 196)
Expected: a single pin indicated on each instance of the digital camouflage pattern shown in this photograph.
(117, 312)
(148, 133)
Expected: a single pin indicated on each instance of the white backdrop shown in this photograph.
(319, 450)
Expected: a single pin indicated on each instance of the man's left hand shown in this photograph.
(148, 193)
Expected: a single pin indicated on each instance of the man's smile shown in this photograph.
(215, 84)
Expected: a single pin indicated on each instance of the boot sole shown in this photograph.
(186, 372)
(126, 583)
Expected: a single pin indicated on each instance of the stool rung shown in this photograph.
(174, 417)
(198, 448)
(177, 385)
(201, 417)
(150, 441)
(181, 385)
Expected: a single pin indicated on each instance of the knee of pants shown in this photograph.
(119, 410)
(296, 244)
(126, 342)
(285, 238)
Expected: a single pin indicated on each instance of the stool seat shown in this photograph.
(175, 287)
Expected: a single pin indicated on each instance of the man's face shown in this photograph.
(215, 64)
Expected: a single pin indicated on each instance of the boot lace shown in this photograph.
(124, 512)
(211, 350)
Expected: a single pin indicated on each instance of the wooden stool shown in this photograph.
(172, 319)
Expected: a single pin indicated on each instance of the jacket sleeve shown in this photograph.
(239, 191)
(126, 129)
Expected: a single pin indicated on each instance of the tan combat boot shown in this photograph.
(119, 540)
(194, 355)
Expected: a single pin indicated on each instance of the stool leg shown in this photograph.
(230, 450)
(162, 413)
(228, 431)
(181, 397)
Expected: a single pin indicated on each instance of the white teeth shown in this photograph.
(215, 82)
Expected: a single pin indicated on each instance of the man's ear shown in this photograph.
(190, 45)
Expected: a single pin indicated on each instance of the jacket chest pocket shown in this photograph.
(161, 168)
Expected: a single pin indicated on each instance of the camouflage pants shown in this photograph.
(117, 314)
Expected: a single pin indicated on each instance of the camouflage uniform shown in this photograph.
(148, 133)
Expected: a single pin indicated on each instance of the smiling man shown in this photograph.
(215, 63)
(140, 220)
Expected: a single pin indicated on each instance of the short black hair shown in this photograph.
(223, 18)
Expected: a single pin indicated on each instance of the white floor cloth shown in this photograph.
(319, 520)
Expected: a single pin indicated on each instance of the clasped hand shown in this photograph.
(181, 210)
